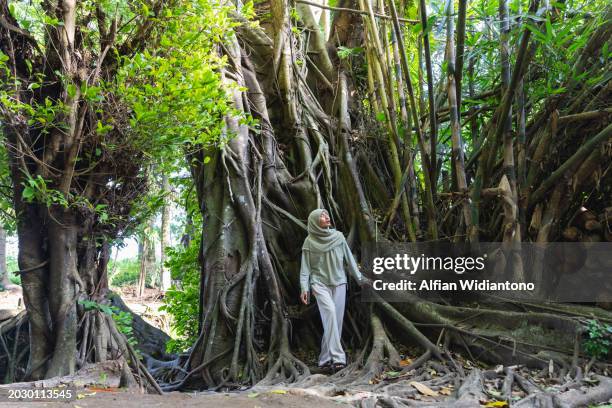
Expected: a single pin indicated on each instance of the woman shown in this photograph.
(323, 254)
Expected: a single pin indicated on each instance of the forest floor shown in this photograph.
(98, 384)
(94, 399)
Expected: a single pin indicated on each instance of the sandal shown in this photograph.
(338, 366)
(325, 366)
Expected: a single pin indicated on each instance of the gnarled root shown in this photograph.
(383, 355)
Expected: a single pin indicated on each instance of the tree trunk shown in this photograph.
(4, 278)
(62, 288)
(165, 235)
(143, 250)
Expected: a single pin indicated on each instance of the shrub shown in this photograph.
(599, 339)
(182, 299)
(12, 267)
(126, 272)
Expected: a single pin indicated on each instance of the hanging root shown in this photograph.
(13, 347)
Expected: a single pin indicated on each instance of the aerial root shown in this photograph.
(382, 355)
(286, 369)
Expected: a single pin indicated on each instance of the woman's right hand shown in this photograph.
(304, 297)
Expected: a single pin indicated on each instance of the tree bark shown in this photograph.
(165, 235)
(4, 278)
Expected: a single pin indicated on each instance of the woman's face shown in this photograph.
(324, 221)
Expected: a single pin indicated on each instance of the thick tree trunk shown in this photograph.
(63, 291)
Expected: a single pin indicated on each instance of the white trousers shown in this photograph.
(331, 300)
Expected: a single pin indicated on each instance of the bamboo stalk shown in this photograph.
(580, 154)
(512, 228)
(384, 63)
(429, 186)
(433, 126)
(460, 51)
(407, 134)
(590, 115)
(456, 140)
(523, 57)
(393, 109)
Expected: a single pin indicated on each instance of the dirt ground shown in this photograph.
(11, 299)
(248, 399)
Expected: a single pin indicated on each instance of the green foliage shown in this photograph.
(599, 339)
(11, 267)
(176, 91)
(345, 52)
(126, 272)
(182, 302)
(37, 189)
(123, 320)
(7, 214)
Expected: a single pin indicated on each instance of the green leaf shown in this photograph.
(28, 193)
(431, 22)
(71, 90)
(550, 32)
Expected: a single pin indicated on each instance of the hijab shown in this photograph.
(321, 239)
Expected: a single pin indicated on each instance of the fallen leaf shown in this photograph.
(494, 393)
(445, 391)
(87, 394)
(107, 389)
(496, 404)
(405, 362)
(423, 389)
(278, 392)
(253, 395)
